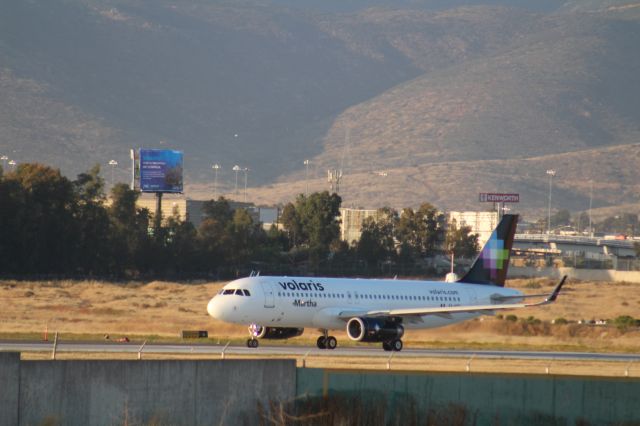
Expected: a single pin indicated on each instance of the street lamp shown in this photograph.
(246, 170)
(4, 159)
(590, 204)
(215, 168)
(236, 169)
(551, 174)
(113, 164)
(306, 167)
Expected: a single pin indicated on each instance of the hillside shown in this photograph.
(425, 91)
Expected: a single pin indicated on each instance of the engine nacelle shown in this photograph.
(373, 330)
(278, 332)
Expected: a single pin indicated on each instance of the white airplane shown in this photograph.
(373, 310)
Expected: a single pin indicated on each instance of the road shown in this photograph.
(269, 350)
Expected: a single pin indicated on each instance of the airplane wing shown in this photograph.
(447, 311)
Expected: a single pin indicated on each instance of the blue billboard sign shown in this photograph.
(160, 170)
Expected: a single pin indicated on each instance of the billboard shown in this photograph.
(160, 170)
(499, 198)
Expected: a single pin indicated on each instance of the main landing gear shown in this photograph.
(393, 345)
(326, 342)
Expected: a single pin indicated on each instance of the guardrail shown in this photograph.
(551, 238)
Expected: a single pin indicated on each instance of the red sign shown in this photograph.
(499, 198)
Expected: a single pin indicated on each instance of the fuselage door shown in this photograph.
(269, 298)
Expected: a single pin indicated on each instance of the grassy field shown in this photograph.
(161, 310)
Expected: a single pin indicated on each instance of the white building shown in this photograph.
(352, 220)
(481, 223)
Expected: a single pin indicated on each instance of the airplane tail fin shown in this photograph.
(491, 265)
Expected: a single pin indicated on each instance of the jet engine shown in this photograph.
(278, 332)
(374, 330)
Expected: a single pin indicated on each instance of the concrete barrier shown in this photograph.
(229, 391)
(9, 388)
(486, 399)
(609, 275)
(140, 392)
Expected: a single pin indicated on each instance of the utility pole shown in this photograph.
(551, 174)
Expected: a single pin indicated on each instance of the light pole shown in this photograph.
(236, 169)
(246, 170)
(4, 159)
(113, 164)
(551, 174)
(590, 203)
(306, 171)
(215, 168)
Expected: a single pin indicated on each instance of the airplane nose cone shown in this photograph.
(213, 308)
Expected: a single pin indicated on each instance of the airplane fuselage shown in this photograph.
(318, 303)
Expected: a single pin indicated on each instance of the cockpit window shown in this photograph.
(228, 291)
(239, 292)
(246, 293)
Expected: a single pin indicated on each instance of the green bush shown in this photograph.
(560, 321)
(626, 321)
(531, 320)
(511, 318)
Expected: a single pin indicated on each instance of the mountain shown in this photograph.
(414, 100)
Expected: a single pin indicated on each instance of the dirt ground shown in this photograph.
(164, 309)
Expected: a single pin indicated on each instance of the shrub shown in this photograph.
(511, 318)
(560, 321)
(625, 321)
(532, 284)
(531, 320)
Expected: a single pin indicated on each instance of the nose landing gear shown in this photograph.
(254, 331)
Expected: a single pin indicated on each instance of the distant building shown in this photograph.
(352, 220)
(481, 223)
(193, 210)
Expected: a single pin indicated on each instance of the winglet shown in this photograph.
(556, 291)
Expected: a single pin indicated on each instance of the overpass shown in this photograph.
(593, 248)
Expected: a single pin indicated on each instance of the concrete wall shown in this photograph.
(487, 398)
(140, 392)
(228, 392)
(9, 387)
(609, 275)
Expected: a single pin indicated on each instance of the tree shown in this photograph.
(313, 222)
(93, 254)
(560, 218)
(420, 232)
(376, 242)
(461, 242)
(131, 247)
(38, 218)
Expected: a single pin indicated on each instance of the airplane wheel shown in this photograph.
(252, 343)
(331, 342)
(386, 346)
(321, 343)
(396, 345)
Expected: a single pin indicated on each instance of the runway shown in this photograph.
(298, 351)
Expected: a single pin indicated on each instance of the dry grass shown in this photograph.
(164, 309)
(90, 307)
